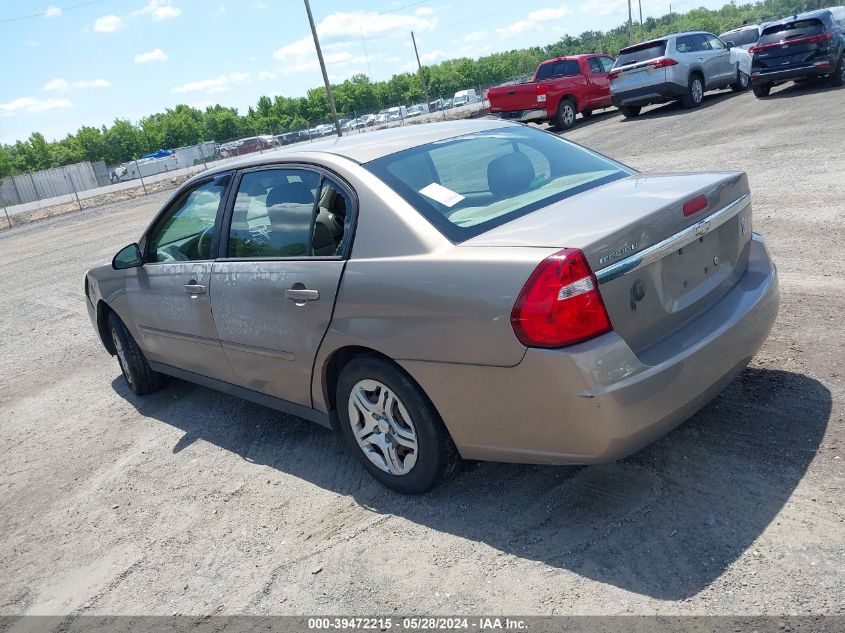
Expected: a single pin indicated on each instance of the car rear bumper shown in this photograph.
(655, 93)
(523, 116)
(597, 401)
(817, 69)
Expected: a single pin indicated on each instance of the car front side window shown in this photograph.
(186, 230)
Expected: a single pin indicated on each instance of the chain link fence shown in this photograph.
(32, 196)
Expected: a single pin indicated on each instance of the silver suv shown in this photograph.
(680, 66)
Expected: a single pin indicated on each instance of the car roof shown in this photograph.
(807, 15)
(362, 148)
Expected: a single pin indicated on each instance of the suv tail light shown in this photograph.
(560, 303)
(821, 38)
(663, 63)
(542, 89)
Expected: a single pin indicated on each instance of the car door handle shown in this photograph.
(194, 288)
(301, 295)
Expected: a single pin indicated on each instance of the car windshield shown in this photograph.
(641, 53)
(470, 184)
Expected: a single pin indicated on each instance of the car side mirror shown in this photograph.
(128, 257)
(730, 45)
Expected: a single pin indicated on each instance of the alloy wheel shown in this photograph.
(697, 90)
(121, 355)
(743, 80)
(383, 427)
(568, 115)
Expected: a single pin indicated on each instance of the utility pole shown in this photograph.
(630, 24)
(641, 21)
(419, 67)
(329, 94)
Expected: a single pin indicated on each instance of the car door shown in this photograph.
(599, 82)
(168, 297)
(273, 293)
(719, 60)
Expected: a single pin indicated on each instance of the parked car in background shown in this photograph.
(464, 97)
(447, 103)
(680, 66)
(436, 105)
(247, 146)
(744, 36)
(418, 110)
(498, 293)
(806, 46)
(561, 88)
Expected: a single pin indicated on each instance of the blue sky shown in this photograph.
(79, 62)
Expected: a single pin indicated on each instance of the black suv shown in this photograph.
(805, 46)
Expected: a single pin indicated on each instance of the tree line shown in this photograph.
(185, 125)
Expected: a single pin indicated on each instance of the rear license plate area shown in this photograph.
(689, 267)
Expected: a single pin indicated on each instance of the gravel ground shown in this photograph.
(193, 502)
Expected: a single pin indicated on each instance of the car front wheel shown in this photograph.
(838, 77)
(392, 427)
(140, 378)
(741, 82)
(761, 90)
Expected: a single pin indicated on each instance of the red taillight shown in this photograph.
(812, 39)
(663, 63)
(542, 89)
(691, 207)
(560, 303)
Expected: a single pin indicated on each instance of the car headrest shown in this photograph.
(291, 192)
(510, 174)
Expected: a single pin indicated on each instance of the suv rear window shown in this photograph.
(791, 29)
(467, 185)
(741, 38)
(641, 53)
(564, 68)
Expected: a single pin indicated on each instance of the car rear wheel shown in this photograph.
(629, 112)
(695, 92)
(137, 372)
(761, 90)
(392, 427)
(741, 82)
(565, 118)
(838, 77)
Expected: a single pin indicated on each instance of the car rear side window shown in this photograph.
(469, 184)
(641, 53)
(562, 68)
(288, 213)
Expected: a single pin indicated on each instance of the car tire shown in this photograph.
(761, 90)
(586, 113)
(566, 111)
(139, 376)
(386, 440)
(695, 92)
(742, 81)
(629, 112)
(837, 78)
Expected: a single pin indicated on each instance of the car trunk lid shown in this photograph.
(657, 267)
(793, 47)
(514, 97)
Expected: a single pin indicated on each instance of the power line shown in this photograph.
(43, 13)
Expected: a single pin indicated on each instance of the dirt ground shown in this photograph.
(193, 502)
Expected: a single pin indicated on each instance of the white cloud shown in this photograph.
(475, 37)
(33, 105)
(159, 10)
(52, 12)
(155, 55)
(536, 20)
(259, 6)
(32, 43)
(340, 36)
(266, 74)
(108, 24)
(63, 85)
(424, 11)
(215, 85)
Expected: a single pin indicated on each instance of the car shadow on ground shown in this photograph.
(675, 108)
(580, 122)
(799, 89)
(665, 522)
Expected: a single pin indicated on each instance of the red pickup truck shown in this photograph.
(561, 88)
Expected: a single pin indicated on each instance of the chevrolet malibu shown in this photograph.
(477, 289)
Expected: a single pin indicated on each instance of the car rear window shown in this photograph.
(564, 68)
(788, 30)
(641, 52)
(741, 38)
(467, 185)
